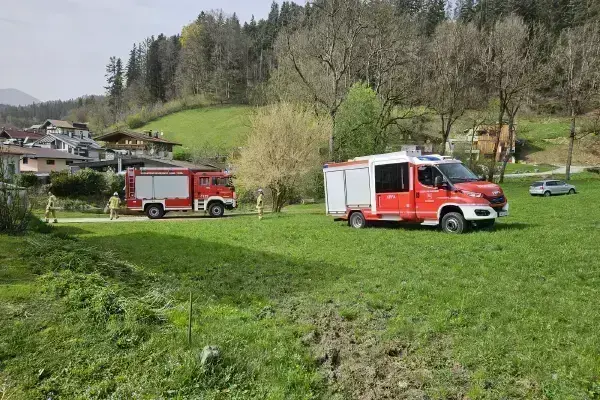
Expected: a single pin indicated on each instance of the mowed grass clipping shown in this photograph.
(222, 127)
(305, 307)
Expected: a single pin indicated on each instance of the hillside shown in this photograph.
(15, 97)
(546, 140)
(225, 127)
(218, 127)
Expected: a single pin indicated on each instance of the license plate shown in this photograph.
(503, 213)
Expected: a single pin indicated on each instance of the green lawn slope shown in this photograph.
(222, 127)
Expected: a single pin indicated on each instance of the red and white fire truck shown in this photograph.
(406, 186)
(157, 191)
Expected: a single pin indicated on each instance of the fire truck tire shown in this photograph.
(155, 211)
(454, 222)
(216, 210)
(357, 220)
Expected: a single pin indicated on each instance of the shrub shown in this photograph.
(28, 180)
(85, 183)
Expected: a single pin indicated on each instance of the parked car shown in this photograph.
(551, 187)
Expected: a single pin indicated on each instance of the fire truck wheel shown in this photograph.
(454, 222)
(357, 220)
(216, 210)
(155, 211)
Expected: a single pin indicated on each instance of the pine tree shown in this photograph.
(409, 7)
(466, 10)
(434, 13)
(114, 88)
(133, 72)
(154, 81)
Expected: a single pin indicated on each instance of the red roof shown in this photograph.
(16, 134)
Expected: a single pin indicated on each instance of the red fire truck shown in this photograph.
(406, 186)
(157, 191)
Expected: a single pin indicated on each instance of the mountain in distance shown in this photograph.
(15, 97)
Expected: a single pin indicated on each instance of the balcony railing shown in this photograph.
(125, 146)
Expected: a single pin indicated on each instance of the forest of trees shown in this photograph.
(445, 57)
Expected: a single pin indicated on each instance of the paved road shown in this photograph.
(575, 169)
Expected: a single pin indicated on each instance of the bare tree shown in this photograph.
(451, 81)
(507, 61)
(576, 68)
(476, 119)
(324, 51)
(283, 147)
(393, 65)
(528, 80)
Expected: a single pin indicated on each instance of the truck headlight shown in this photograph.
(472, 194)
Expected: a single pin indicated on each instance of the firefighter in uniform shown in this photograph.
(50, 208)
(113, 205)
(260, 205)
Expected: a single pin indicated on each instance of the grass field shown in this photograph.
(305, 307)
(222, 127)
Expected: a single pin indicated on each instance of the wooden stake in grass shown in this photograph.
(190, 322)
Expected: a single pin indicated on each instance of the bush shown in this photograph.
(86, 183)
(28, 180)
(15, 212)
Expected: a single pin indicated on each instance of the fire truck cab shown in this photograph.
(157, 191)
(410, 187)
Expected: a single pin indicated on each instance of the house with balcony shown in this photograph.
(480, 142)
(56, 126)
(73, 143)
(138, 144)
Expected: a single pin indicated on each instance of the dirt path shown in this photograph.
(575, 169)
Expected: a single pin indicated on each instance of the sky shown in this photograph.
(58, 49)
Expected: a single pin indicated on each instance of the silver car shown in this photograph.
(551, 187)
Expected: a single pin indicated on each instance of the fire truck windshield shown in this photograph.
(457, 173)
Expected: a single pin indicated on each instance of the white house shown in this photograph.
(10, 160)
(72, 144)
(56, 126)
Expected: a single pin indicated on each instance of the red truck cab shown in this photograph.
(406, 186)
(156, 191)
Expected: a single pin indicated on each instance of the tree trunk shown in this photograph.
(571, 144)
(511, 135)
(492, 166)
(331, 155)
(260, 66)
(444, 136)
(471, 148)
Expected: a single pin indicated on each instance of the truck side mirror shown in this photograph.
(438, 181)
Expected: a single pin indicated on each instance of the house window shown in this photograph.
(25, 160)
(11, 169)
(50, 162)
(391, 178)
